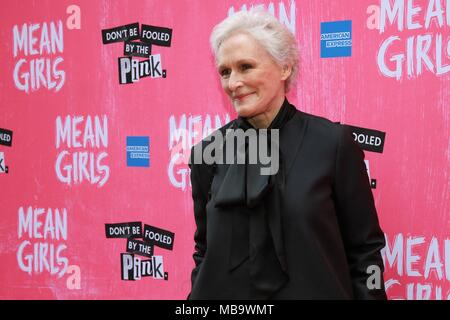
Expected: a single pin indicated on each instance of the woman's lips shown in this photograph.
(242, 96)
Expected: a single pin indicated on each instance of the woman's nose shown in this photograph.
(234, 81)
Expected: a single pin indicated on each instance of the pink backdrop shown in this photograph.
(78, 261)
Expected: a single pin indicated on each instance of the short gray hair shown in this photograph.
(271, 34)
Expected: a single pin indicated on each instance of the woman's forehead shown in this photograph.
(240, 47)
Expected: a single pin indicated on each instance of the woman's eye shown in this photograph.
(246, 66)
(224, 72)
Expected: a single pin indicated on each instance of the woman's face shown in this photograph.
(250, 76)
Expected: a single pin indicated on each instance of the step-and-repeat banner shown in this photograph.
(101, 101)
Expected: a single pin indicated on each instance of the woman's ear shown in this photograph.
(286, 72)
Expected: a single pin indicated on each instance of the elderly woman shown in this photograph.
(310, 229)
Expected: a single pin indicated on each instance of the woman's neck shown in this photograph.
(263, 120)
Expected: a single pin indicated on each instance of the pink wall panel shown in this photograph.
(44, 257)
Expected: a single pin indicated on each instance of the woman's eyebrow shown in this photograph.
(245, 60)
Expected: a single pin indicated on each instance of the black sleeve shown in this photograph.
(200, 180)
(358, 220)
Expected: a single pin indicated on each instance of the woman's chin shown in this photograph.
(244, 114)
(243, 111)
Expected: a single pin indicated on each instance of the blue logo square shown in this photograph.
(138, 151)
(336, 39)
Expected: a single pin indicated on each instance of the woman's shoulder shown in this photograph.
(209, 138)
(198, 148)
(319, 122)
(318, 128)
(325, 131)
